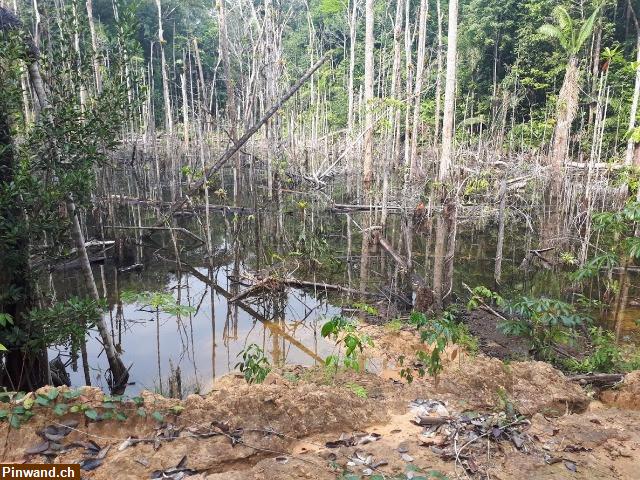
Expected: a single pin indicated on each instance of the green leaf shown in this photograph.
(141, 412)
(5, 319)
(28, 403)
(71, 394)
(4, 414)
(91, 414)
(586, 29)
(14, 421)
(121, 416)
(158, 416)
(42, 400)
(60, 409)
(74, 409)
(109, 405)
(53, 393)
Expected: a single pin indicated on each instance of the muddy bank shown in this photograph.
(283, 428)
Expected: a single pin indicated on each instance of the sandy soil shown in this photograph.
(280, 429)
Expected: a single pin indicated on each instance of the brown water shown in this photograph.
(308, 242)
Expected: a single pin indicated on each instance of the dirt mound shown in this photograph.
(531, 387)
(627, 395)
(280, 429)
(492, 342)
(254, 412)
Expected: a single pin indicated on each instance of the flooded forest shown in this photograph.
(320, 239)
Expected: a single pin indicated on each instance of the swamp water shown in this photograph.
(307, 242)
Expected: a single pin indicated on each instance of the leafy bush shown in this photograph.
(543, 322)
(606, 356)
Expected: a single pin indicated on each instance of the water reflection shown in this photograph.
(194, 343)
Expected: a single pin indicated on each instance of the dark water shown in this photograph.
(286, 239)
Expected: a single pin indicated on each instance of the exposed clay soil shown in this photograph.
(568, 429)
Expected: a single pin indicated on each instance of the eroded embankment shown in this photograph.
(464, 424)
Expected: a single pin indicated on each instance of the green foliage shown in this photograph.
(158, 301)
(606, 356)
(366, 308)
(343, 331)
(618, 243)
(254, 365)
(394, 325)
(358, 390)
(570, 37)
(438, 332)
(20, 407)
(481, 295)
(544, 322)
(333, 7)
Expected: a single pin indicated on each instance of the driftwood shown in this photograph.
(75, 263)
(210, 170)
(266, 284)
(598, 379)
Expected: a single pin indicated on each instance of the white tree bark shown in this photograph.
(448, 127)
(368, 96)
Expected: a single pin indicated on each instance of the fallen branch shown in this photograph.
(272, 326)
(395, 255)
(168, 229)
(599, 379)
(266, 284)
(325, 286)
(340, 208)
(483, 305)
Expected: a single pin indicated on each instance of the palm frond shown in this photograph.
(551, 31)
(586, 30)
(564, 20)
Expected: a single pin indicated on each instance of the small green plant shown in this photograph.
(358, 390)
(481, 295)
(606, 356)
(438, 332)
(158, 301)
(254, 365)
(568, 258)
(19, 407)
(343, 331)
(368, 309)
(394, 326)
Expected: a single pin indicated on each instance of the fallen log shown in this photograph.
(395, 255)
(598, 379)
(325, 286)
(342, 208)
(266, 284)
(168, 229)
